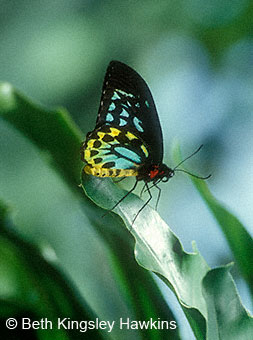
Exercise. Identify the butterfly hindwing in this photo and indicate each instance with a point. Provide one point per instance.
(127, 103)
(113, 152)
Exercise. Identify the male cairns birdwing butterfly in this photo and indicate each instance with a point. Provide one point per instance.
(127, 139)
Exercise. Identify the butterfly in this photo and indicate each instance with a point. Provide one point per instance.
(127, 139)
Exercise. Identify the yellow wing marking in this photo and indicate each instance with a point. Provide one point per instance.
(130, 136)
(114, 132)
(144, 150)
(90, 143)
(101, 135)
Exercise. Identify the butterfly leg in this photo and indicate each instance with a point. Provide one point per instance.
(144, 205)
(119, 180)
(158, 197)
(159, 191)
(142, 190)
(129, 192)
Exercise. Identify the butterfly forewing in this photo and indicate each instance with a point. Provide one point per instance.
(127, 104)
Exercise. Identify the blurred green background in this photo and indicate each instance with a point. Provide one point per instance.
(197, 58)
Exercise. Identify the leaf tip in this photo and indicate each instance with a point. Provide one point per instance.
(194, 247)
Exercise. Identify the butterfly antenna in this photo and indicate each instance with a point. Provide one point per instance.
(194, 153)
(193, 175)
(187, 172)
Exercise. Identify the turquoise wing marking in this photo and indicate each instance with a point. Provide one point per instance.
(122, 163)
(131, 155)
(109, 117)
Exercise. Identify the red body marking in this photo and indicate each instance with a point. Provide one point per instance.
(154, 173)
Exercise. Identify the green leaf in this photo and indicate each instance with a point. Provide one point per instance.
(140, 290)
(52, 131)
(159, 250)
(227, 319)
(30, 285)
(239, 240)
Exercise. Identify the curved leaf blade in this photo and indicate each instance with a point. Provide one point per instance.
(239, 240)
(158, 249)
(227, 319)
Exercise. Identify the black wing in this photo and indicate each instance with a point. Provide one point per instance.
(127, 103)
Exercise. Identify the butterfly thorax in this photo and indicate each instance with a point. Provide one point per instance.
(155, 173)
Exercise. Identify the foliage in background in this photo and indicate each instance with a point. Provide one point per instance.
(198, 62)
(31, 287)
(157, 248)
